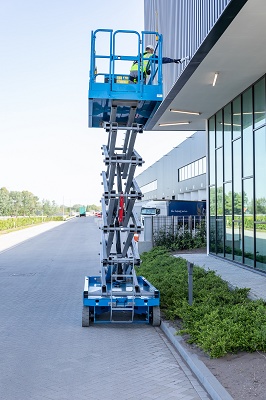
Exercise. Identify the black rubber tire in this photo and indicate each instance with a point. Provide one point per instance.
(156, 316)
(85, 317)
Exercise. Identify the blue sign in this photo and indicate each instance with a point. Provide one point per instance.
(183, 207)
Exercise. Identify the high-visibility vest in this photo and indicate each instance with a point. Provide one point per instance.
(135, 65)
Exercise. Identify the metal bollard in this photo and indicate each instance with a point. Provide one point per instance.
(190, 282)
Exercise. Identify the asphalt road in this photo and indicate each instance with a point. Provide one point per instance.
(46, 354)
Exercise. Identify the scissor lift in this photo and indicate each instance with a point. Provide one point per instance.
(118, 294)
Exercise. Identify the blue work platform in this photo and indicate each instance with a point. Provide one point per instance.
(112, 97)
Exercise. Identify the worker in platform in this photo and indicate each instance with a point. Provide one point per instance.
(149, 52)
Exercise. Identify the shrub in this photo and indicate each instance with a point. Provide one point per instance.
(20, 222)
(182, 240)
(220, 320)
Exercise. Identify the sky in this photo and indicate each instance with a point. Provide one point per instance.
(46, 145)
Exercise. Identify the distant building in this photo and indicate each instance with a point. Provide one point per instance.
(180, 174)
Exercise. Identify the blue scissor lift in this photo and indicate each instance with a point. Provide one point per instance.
(115, 104)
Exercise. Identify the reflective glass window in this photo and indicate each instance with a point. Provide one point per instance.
(237, 200)
(220, 236)
(237, 117)
(260, 168)
(259, 103)
(212, 151)
(227, 143)
(247, 133)
(237, 197)
(219, 129)
(248, 207)
(219, 177)
(219, 201)
(228, 220)
(260, 196)
(237, 230)
(212, 221)
(260, 246)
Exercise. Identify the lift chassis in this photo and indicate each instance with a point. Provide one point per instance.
(118, 294)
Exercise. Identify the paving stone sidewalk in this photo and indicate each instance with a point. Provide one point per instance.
(47, 355)
(234, 274)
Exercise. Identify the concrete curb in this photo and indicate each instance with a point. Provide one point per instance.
(204, 375)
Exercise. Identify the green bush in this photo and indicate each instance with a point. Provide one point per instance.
(220, 320)
(20, 222)
(182, 240)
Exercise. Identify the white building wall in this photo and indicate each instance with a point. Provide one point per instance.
(165, 172)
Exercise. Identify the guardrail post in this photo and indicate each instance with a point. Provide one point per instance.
(190, 282)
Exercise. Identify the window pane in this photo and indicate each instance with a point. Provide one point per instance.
(228, 220)
(219, 177)
(211, 151)
(260, 167)
(212, 226)
(196, 168)
(189, 171)
(237, 226)
(237, 178)
(227, 143)
(219, 129)
(237, 201)
(261, 247)
(248, 222)
(247, 134)
(220, 236)
(182, 174)
(236, 117)
(204, 165)
(200, 166)
(192, 170)
(219, 200)
(259, 103)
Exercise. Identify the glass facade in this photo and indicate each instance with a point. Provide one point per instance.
(237, 193)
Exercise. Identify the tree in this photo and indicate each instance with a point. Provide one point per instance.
(237, 203)
(29, 203)
(49, 208)
(15, 202)
(228, 203)
(93, 207)
(4, 201)
(261, 206)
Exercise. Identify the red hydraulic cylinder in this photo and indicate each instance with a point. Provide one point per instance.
(121, 209)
